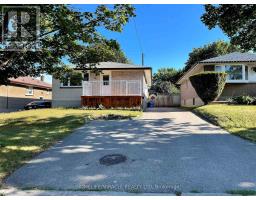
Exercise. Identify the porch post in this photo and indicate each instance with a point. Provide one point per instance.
(126, 88)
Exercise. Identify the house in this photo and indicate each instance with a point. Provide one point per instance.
(241, 79)
(118, 85)
(23, 90)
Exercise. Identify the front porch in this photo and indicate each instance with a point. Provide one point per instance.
(112, 93)
(112, 101)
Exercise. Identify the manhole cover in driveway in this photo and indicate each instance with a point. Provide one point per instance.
(112, 159)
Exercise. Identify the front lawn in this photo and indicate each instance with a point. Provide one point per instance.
(26, 133)
(238, 120)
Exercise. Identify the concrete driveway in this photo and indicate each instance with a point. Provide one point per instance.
(167, 150)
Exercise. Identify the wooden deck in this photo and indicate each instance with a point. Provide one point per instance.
(111, 101)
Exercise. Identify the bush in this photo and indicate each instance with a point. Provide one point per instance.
(243, 100)
(208, 85)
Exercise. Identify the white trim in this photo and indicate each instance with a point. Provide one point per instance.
(223, 66)
(28, 88)
(72, 86)
(87, 88)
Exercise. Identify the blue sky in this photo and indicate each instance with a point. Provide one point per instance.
(167, 33)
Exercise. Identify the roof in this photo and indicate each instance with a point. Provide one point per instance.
(123, 66)
(232, 57)
(115, 65)
(228, 58)
(30, 81)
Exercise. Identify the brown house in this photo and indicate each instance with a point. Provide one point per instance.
(241, 79)
(23, 90)
(118, 85)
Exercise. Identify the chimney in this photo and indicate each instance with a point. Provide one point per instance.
(42, 78)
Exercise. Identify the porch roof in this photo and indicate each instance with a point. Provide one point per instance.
(124, 66)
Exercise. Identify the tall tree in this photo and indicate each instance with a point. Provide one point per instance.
(238, 21)
(67, 33)
(164, 81)
(208, 51)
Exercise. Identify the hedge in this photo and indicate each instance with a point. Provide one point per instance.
(208, 85)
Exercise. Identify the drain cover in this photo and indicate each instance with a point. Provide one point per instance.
(112, 159)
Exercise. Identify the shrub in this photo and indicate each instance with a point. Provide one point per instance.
(243, 100)
(208, 85)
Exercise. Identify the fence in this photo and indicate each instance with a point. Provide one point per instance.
(167, 100)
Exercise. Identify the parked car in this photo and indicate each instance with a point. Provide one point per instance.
(38, 104)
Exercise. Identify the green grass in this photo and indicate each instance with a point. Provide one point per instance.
(238, 120)
(242, 192)
(26, 133)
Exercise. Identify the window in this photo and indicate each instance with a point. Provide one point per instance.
(72, 80)
(105, 79)
(65, 80)
(86, 77)
(246, 73)
(194, 101)
(218, 68)
(30, 91)
(235, 72)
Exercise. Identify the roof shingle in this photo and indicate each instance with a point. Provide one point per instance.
(232, 57)
(115, 65)
(30, 81)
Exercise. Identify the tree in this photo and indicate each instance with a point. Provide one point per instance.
(101, 51)
(70, 34)
(236, 20)
(211, 50)
(164, 81)
(208, 85)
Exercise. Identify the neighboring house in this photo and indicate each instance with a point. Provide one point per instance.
(23, 90)
(241, 79)
(118, 85)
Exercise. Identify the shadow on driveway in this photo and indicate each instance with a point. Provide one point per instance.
(166, 151)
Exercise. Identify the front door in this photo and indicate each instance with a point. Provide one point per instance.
(106, 84)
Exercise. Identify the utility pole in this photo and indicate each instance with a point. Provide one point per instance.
(142, 59)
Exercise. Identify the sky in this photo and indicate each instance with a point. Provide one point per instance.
(166, 34)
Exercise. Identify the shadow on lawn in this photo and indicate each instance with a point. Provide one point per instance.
(21, 139)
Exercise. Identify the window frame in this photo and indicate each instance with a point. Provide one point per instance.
(72, 86)
(31, 88)
(106, 83)
(223, 69)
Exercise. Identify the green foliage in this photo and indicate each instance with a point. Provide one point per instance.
(208, 85)
(167, 74)
(236, 20)
(71, 34)
(164, 81)
(211, 50)
(165, 87)
(243, 100)
(237, 120)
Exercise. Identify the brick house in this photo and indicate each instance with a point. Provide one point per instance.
(23, 90)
